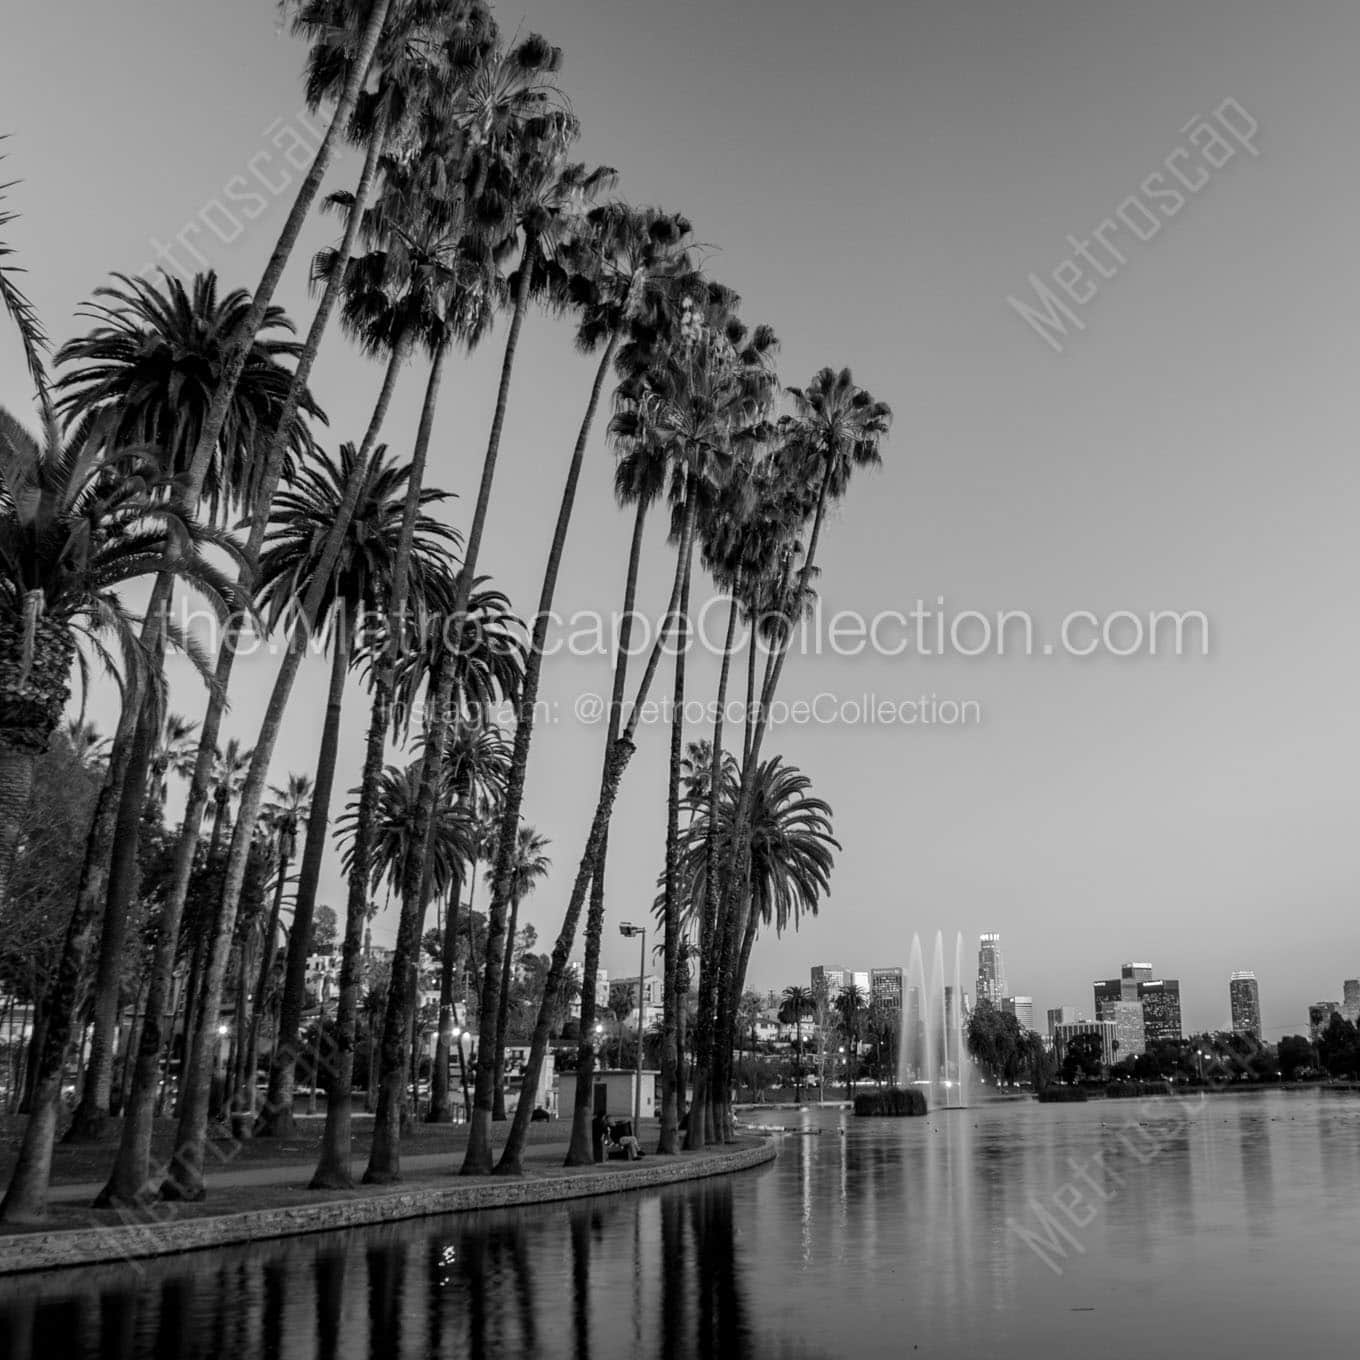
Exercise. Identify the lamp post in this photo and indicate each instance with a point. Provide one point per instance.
(628, 930)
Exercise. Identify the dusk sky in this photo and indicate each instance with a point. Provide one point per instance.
(876, 180)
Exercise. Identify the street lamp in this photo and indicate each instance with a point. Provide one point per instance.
(628, 931)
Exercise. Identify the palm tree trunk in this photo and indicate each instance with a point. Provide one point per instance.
(441, 1105)
(511, 1158)
(582, 1151)
(26, 1198)
(436, 740)
(503, 1013)
(703, 1039)
(185, 1174)
(283, 249)
(132, 1170)
(669, 1142)
(268, 947)
(333, 1167)
(276, 1119)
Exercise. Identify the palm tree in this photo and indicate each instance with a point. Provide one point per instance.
(350, 30)
(795, 1004)
(850, 1006)
(77, 522)
(22, 313)
(150, 367)
(615, 268)
(359, 585)
(174, 753)
(90, 747)
(282, 819)
(528, 865)
(489, 662)
(787, 856)
(689, 401)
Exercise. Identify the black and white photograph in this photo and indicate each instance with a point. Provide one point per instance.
(678, 679)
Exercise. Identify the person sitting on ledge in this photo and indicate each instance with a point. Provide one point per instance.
(623, 1145)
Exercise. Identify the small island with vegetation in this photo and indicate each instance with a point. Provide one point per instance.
(893, 1102)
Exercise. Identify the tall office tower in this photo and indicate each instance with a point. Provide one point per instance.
(885, 989)
(991, 978)
(1107, 995)
(1320, 1016)
(1161, 1002)
(1244, 1000)
(1022, 1007)
(1063, 1015)
(861, 980)
(1350, 1000)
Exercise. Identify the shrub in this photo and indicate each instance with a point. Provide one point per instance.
(1061, 1095)
(892, 1103)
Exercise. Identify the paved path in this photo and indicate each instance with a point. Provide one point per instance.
(299, 1173)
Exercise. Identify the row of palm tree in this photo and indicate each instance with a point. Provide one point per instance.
(182, 414)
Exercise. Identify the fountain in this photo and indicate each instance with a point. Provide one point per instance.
(931, 1051)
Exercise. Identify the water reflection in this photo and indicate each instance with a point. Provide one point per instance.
(872, 1236)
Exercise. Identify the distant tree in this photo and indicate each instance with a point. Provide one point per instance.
(323, 931)
(1339, 1048)
(1295, 1055)
(997, 1043)
(1084, 1058)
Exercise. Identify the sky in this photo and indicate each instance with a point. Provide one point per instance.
(891, 188)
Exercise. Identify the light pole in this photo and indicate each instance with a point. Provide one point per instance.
(628, 930)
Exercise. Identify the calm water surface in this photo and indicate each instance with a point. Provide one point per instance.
(1229, 1227)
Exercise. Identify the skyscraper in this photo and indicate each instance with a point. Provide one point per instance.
(831, 976)
(1022, 1007)
(991, 978)
(1244, 1000)
(1161, 1002)
(885, 989)
(1063, 1015)
(1350, 1000)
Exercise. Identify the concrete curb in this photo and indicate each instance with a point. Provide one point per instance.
(87, 1246)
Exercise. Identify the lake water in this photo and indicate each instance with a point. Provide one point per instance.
(1223, 1227)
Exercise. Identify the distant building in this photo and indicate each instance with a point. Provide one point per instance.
(1063, 1015)
(885, 990)
(991, 977)
(1350, 1000)
(837, 979)
(626, 989)
(1022, 1007)
(1320, 1016)
(1161, 1002)
(1064, 1034)
(1244, 1000)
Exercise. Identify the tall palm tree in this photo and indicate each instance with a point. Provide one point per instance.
(150, 367)
(359, 585)
(77, 522)
(690, 400)
(352, 29)
(851, 1006)
(795, 1003)
(284, 816)
(529, 864)
(614, 269)
(490, 661)
(174, 753)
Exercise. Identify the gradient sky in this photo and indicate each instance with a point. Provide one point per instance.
(876, 182)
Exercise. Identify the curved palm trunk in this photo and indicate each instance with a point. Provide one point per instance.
(503, 1013)
(26, 1198)
(511, 1158)
(283, 249)
(268, 948)
(184, 1178)
(333, 1167)
(669, 1142)
(582, 1151)
(132, 1170)
(695, 1131)
(276, 1119)
(436, 739)
(441, 1105)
